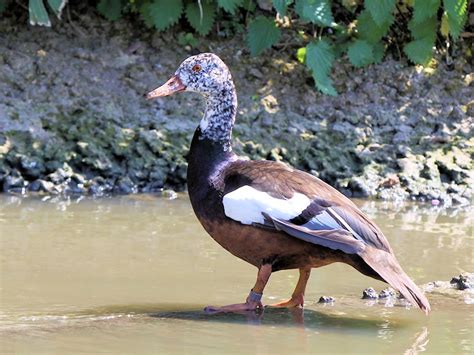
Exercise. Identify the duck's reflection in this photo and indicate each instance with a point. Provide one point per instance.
(420, 343)
(269, 316)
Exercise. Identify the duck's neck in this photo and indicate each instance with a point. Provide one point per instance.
(219, 118)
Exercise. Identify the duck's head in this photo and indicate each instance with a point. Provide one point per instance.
(204, 73)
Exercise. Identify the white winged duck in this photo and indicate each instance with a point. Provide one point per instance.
(267, 213)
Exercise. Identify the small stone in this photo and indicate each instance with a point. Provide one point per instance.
(369, 294)
(13, 182)
(169, 194)
(125, 186)
(59, 176)
(387, 293)
(461, 282)
(326, 299)
(42, 186)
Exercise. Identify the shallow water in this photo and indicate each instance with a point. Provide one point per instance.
(132, 275)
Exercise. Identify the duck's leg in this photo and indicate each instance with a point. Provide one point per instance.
(253, 300)
(297, 298)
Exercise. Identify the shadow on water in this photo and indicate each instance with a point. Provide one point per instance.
(119, 316)
(297, 317)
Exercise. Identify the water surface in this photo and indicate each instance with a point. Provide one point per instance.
(132, 274)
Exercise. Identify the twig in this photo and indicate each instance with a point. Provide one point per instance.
(82, 34)
(21, 5)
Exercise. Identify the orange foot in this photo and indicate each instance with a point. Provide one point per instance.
(235, 308)
(294, 301)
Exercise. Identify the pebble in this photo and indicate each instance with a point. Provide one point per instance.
(461, 282)
(326, 299)
(369, 294)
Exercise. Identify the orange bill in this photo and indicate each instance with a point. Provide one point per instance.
(170, 87)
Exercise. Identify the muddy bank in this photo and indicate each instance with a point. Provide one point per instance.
(73, 118)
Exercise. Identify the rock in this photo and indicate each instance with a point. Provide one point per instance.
(42, 186)
(462, 282)
(369, 294)
(390, 180)
(14, 183)
(59, 176)
(403, 135)
(326, 299)
(169, 194)
(74, 188)
(410, 166)
(125, 186)
(98, 186)
(31, 167)
(387, 293)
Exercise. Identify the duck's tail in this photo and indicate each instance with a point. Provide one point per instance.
(387, 266)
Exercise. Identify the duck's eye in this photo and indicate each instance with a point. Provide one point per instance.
(196, 68)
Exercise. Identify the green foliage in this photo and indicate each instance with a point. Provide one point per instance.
(202, 24)
(420, 50)
(369, 30)
(3, 5)
(424, 9)
(229, 5)
(321, 34)
(162, 13)
(315, 11)
(361, 53)
(381, 10)
(187, 39)
(281, 6)
(319, 59)
(262, 34)
(38, 13)
(110, 9)
(456, 12)
(301, 54)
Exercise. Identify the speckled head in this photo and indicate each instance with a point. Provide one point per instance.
(204, 73)
(208, 75)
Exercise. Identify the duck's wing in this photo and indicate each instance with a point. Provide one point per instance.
(301, 205)
(272, 194)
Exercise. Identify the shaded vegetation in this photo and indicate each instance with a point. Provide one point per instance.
(323, 30)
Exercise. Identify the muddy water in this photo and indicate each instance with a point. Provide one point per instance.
(132, 275)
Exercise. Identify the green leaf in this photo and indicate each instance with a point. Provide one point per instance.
(319, 59)
(423, 9)
(424, 29)
(361, 53)
(110, 9)
(301, 54)
(38, 13)
(161, 13)
(369, 30)
(262, 34)
(145, 13)
(57, 6)
(281, 6)
(380, 10)
(202, 25)
(444, 28)
(229, 5)
(315, 11)
(419, 51)
(456, 11)
(379, 51)
(3, 5)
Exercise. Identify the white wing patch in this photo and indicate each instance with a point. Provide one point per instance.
(246, 205)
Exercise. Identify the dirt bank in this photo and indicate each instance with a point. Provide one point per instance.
(73, 118)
